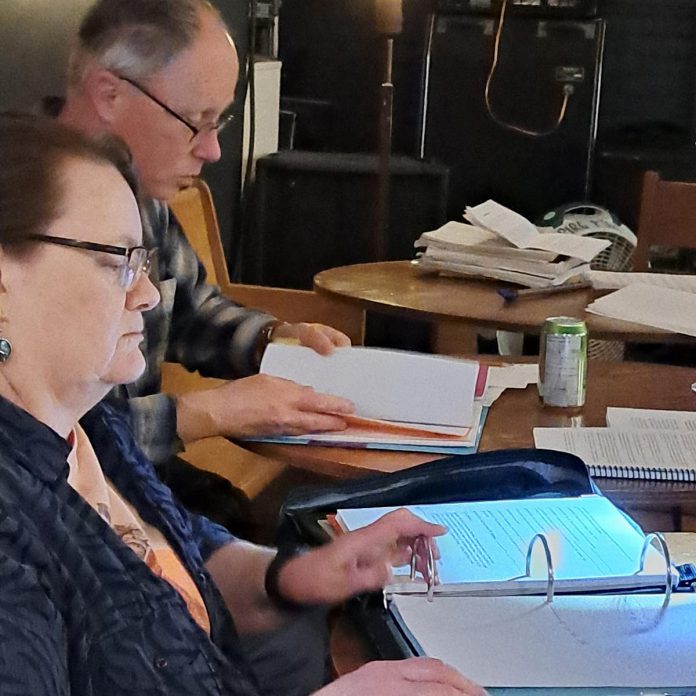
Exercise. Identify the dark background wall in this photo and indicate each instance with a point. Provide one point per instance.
(329, 49)
(649, 66)
(331, 59)
(35, 36)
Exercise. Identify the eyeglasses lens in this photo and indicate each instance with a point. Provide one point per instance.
(138, 262)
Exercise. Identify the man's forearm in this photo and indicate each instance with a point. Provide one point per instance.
(195, 417)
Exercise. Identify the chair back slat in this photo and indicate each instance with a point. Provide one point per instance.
(667, 217)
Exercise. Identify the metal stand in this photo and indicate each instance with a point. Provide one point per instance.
(381, 234)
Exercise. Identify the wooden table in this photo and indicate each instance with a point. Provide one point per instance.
(517, 411)
(397, 287)
(509, 424)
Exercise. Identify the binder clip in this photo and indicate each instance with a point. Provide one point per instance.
(551, 580)
(425, 544)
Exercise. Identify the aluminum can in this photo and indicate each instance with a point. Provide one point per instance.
(563, 362)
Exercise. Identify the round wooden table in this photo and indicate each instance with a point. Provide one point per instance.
(398, 287)
(511, 420)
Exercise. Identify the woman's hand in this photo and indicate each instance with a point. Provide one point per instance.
(418, 676)
(356, 562)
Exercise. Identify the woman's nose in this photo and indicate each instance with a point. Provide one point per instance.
(144, 295)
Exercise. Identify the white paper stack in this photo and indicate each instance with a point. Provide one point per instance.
(502, 245)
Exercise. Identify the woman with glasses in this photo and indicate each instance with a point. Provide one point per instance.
(107, 586)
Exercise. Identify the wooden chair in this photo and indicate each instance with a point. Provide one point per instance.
(667, 217)
(194, 209)
(251, 473)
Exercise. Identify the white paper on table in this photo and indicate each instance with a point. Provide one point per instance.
(650, 419)
(613, 280)
(574, 641)
(505, 222)
(457, 235)
(517, 230)
(514, 376)
(662, 308)
(491, 395)
(577, 246)
(528, 279)
(641, 449)
(386, 384)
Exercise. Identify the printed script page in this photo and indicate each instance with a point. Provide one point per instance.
(650, 419)
(618, 447)
(488, 541)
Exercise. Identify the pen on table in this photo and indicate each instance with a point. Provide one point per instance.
(511, 294)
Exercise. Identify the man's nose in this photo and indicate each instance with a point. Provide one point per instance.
(207, 146)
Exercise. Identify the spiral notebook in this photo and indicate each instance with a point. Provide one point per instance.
(639, 444)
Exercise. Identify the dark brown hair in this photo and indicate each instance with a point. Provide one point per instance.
(33, 150)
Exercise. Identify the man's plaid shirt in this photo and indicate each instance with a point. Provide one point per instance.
(193, 325)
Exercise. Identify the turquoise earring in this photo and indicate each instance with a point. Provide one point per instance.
(5, 350)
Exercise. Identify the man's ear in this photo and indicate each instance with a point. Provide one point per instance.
(105, 91)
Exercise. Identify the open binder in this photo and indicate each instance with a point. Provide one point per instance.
(597, 643)
(533, 546)
(515, 630)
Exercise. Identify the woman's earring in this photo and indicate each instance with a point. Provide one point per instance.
(5, 350)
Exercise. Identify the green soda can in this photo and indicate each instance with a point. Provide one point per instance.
(563, 362)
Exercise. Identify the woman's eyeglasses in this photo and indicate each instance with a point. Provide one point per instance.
(136, 260)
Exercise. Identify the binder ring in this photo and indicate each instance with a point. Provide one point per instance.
(649, 538)
(551, 580)
(430, 570)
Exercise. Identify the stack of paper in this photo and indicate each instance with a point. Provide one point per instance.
(639, 444)
(502, 245)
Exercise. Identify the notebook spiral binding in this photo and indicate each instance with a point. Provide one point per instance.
(645, 473)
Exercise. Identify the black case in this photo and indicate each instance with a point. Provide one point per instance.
(500, 475)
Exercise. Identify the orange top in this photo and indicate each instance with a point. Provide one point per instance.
(87, 478)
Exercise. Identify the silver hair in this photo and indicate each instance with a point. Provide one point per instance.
(135, 38)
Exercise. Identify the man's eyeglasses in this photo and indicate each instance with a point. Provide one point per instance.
(136, 259)
(222, 122)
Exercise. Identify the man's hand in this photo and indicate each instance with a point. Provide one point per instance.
(258, 405)
(356, 562)
(414, 677)
(322, 339)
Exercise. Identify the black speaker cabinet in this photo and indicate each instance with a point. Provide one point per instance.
(315, 211)
(537, 58)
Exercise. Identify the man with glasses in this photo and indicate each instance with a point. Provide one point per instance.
(161, 74)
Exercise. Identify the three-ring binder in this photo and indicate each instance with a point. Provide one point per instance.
(430, 575)
(422, 546)
(551, 580)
